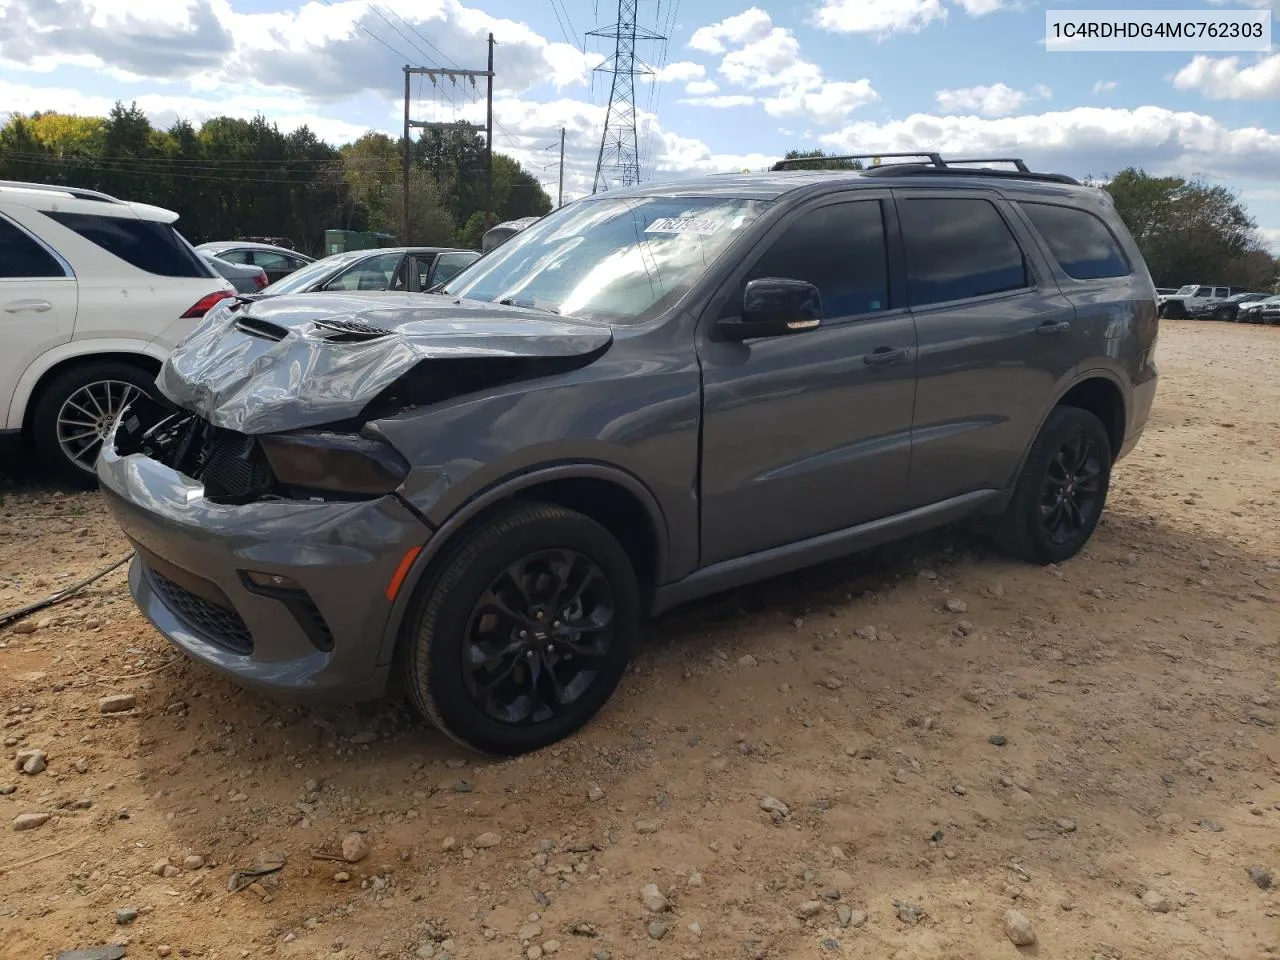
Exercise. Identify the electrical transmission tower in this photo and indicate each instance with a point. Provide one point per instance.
(618, 142)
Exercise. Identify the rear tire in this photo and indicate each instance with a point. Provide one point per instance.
(75, 410)
(1222, 315)
(1061, 492)
(504, 650)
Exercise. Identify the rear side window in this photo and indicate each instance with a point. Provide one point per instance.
(957, 248)
(1080, 242)
(22, 257)
(154, 247)
(840, 249)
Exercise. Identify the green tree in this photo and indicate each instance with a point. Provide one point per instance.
(818, 160)
(1188, 230)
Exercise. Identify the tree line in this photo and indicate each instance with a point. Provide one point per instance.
(1189, 230)
(230, 178)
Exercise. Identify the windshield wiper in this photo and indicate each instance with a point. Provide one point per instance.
(528, 305)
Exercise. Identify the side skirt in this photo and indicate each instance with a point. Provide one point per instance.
(829, 546)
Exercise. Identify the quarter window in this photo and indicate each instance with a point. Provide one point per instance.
(146, 244)
(1079, 241)
(22, 257)
(840, 249)
(958, 248)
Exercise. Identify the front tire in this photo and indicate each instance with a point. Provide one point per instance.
(76, 410)
(1061, 491)
(1222, 315)
(524, 630)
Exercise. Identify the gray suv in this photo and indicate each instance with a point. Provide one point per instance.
(645, 397)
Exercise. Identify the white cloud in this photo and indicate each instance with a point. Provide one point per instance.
(997, 100)
(700, 88)
(881, 18)
(1270, 237)
(323, 50)
(1083, 140)
(1104, 86)
(758, 56)
(1225, 79)
(828, 103)
(737, 30)
(728, 100)
(681, 71)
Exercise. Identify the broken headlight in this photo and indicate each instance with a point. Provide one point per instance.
(342, 463)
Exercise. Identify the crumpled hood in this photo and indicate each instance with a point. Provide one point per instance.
(288, 362)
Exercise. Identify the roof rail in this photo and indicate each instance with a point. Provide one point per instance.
(76, 192)
(936, 165)
(792, 162)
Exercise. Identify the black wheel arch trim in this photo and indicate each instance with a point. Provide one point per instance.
(1094, 373)
(503, 490)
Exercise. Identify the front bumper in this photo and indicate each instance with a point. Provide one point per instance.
(326, 640)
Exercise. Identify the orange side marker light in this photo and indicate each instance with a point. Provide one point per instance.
(402, 571)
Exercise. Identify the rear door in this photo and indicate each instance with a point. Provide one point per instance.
(37, 305)
(996, 340)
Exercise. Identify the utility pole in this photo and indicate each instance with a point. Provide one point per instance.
(452, 73)
(560, 195)
(488, 145)
(408, 158)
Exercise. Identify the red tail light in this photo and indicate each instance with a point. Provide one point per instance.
(205, 304)
(260, 280)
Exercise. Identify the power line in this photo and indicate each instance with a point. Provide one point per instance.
(360, 23)
(440, 53)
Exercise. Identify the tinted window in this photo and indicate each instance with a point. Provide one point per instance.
(1080, 242)
(270, 260)
(235, 256)
(449, 264)
(20, 256)
(841, 250)
(376, 273)
(958, 248)
(146, 244)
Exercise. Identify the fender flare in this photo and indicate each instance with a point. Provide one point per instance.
(71, 350)
(502, 490)
(1093, 373)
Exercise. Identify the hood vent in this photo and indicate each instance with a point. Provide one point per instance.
(261, 329)
(349, 330)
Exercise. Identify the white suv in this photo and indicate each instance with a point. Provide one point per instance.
(94, 292)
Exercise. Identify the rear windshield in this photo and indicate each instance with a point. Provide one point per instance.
(146, 244)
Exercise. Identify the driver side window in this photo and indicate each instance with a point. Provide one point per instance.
(375, 273)
(840, 249)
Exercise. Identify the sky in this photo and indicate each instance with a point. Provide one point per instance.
(733, 87)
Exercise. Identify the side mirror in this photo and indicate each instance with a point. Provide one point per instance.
(774, 307)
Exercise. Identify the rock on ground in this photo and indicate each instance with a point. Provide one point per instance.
(1018, 929)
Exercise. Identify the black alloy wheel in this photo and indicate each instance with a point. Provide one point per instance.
(1061, 491)
(521, 629)
(1071, 495)
(537, 636)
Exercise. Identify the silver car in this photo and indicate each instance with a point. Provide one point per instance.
(411, 269)
(244, 278)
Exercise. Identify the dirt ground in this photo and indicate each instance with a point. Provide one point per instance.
(1136, 690)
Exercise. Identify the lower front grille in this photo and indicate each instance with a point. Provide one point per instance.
(217, 624)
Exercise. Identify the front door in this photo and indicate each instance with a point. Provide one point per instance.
(809, 432)
(997, 340)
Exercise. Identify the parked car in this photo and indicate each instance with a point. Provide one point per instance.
(1225, 310)
(244, 278)
(502, 232)
(1195, 299)
(1270, 311)
(276, 261)
(648, 396)
(1252, 312)
(414, 269)
(94, 291)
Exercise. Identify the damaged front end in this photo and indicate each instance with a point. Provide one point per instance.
(270, 399)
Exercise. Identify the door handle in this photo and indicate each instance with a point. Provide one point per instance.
(883, 356)
(1053, 326)
(20, 306)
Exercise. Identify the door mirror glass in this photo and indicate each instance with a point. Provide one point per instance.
(774, 307)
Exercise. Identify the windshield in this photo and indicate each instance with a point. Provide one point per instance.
(622, 261)
(304, 277)
(1188, 290)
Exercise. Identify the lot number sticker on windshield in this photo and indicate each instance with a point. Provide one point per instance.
(703, 226)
